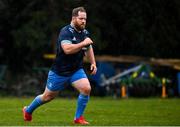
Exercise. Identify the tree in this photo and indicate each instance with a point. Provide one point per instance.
(29, 28)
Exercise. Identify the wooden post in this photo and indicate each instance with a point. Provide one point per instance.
(123, 91)
(164, 95)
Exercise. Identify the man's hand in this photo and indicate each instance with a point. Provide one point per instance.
(93, 69)
(87, 41)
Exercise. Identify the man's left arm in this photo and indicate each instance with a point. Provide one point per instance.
(91, 58)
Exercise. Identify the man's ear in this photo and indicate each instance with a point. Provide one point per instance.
(73, 18)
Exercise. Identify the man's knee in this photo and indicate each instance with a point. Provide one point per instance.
(86, 90)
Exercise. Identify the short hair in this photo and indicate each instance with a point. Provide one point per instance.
(76, 10)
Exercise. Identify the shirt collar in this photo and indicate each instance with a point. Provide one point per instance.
(72, 25)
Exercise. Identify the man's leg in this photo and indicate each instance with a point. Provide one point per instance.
(54, 84)
(38, 101)
(83, 86)
(41, 99)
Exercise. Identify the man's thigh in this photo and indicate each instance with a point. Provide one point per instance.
(80, 81)
(56, 82)
(81, 85)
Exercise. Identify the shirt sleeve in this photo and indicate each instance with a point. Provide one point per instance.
(65, 37)
(87, 34)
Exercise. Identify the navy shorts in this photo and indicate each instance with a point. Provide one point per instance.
(56, 82)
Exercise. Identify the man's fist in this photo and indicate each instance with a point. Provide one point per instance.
(93, 69)
(87, 41)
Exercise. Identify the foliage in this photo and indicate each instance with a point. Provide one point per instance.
(29, 28)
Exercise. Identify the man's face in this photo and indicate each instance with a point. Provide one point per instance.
(80, 21)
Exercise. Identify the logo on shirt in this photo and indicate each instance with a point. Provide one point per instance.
(74, 39)
(72, 30)
(50, 84)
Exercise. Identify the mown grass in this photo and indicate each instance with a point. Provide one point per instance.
(99, 112)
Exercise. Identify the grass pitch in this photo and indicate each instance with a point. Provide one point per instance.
(99, 112)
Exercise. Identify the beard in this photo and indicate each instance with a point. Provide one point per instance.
(79, 27)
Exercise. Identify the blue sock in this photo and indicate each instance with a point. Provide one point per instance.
(35, 104)
(81, 104)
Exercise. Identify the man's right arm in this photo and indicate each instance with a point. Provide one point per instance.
(69, 48)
